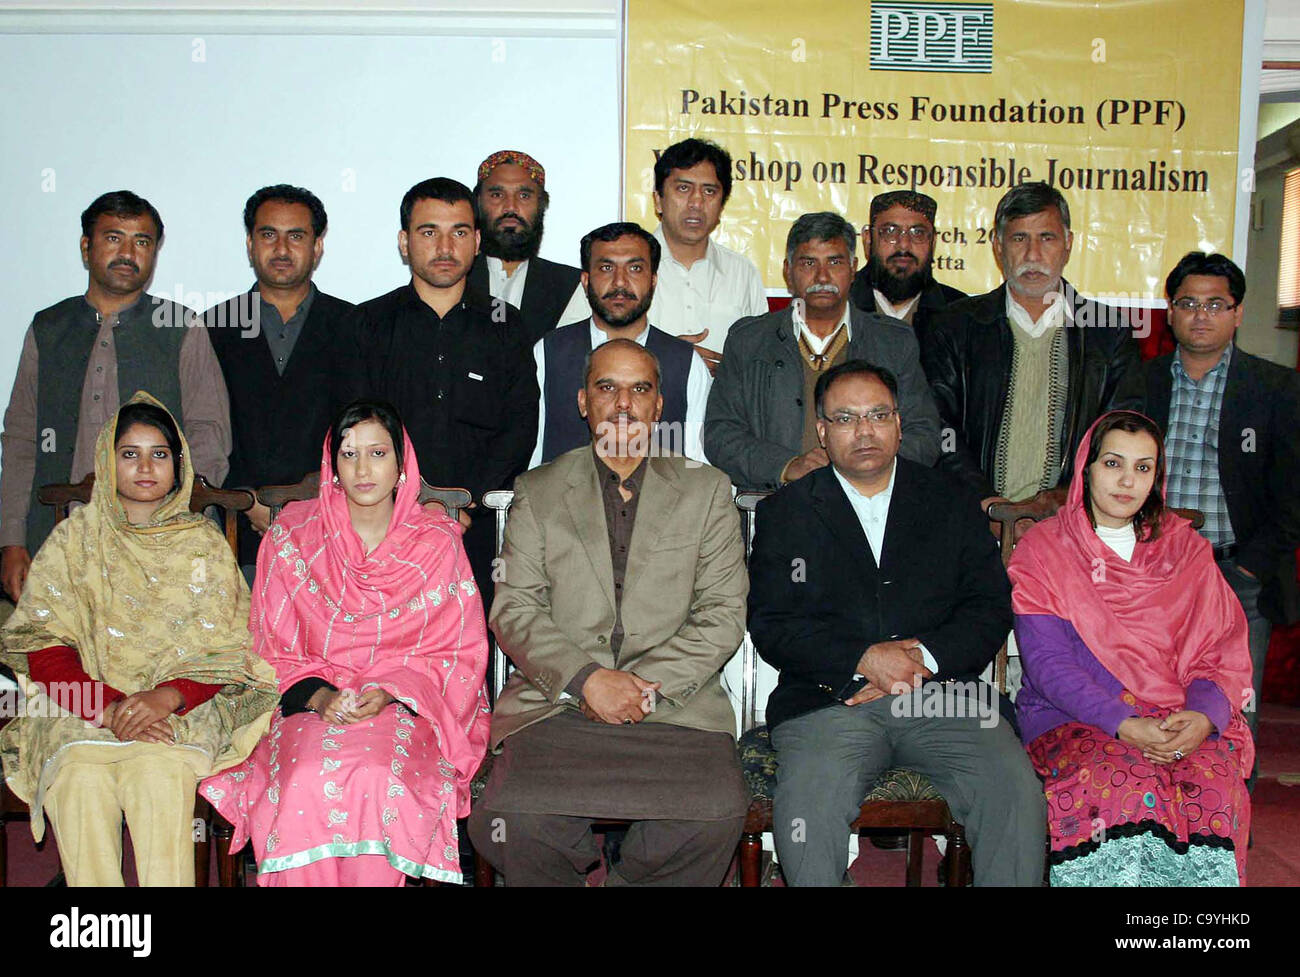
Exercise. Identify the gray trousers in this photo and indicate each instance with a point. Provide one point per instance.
(827, 759)
(557, 849)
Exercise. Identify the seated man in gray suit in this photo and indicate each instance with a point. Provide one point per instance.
(621, 596)
(759, 427)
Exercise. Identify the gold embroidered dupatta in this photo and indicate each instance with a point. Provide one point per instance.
(142, 605)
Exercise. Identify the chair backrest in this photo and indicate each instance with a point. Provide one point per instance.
(1042, 506)
(229, 501)
(276, 497)
(498, 501)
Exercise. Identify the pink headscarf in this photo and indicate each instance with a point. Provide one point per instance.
(407, 617)
(1156, 623)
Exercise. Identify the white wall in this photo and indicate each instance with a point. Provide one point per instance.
(355, 118)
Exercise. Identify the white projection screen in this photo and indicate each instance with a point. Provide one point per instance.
(195, 122)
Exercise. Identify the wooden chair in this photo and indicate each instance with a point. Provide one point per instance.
(276, 497)
(231, 502)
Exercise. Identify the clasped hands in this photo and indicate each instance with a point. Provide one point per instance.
(890, 667)
(1159, 740)
(616, 697)
(143, 716)
(343, 707)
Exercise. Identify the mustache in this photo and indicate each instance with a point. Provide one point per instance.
(826, 287)
(124, 263)
(1020, 269)
(901, 254)
(619, 293)
(511, 214)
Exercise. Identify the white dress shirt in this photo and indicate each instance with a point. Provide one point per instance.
(510, 288)
(817, 344)
(873, 513)
(1054, 315)
(897, 311)
(698, 382)
(711, 294)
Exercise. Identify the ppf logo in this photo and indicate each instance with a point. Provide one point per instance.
(949, 37)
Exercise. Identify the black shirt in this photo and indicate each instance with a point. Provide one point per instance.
(465, 385)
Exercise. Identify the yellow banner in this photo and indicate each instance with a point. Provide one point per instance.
(1129, 108)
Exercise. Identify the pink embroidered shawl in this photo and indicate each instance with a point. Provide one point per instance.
(406, 618)
(1156, 623)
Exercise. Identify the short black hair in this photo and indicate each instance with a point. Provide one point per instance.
(1204, 263)
(442, 188)
(852, 368)
(687, 153)
(284, 193)
(824, 225)
(1026, 200)
(612, 232)
(150, 415)
(913, 200)
(367, 410)
(119, 203)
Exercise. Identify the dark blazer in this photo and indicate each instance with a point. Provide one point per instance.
(817, 599)
(278, 423)
(754, 422)
(1259, 466)
(935, 297)
(547, 290)
(967, 360)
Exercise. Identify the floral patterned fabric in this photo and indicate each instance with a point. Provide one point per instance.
(1117, 819)
(406, 618)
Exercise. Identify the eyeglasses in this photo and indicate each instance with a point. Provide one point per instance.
(1212, 307)
(846, 418)
(916, 234)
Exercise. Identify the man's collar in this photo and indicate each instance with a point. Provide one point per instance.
(498, 267)
(604, 471)
(884, 495)
(599, 337)
(799, 325)
(1225, 361)
(711, 253)
(469, 298)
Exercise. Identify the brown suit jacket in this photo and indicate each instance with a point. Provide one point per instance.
(683, 596)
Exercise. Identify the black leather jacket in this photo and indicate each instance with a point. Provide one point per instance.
(967, 361)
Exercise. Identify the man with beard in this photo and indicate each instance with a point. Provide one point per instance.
(460, 376)
(898, 280)
(276, 344)
(512, 200)
(87, 355)
(760, 426)
(1021, 372)
(619, 264)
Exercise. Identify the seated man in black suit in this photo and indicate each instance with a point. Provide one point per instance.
(877, 592)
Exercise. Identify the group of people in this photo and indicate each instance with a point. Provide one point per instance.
(338, 717)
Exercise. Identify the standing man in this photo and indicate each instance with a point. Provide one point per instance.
(276, 344)
(512, 200)
(1231, 445)
(899, 604)
(1020, 373)
(703, 287)
(623, 593)
(898, 280)
(619, 263)
(461, 377)
(87, 355)
(760, 427)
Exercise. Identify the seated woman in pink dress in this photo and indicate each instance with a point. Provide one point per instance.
(366, 606)
(1136, 669)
